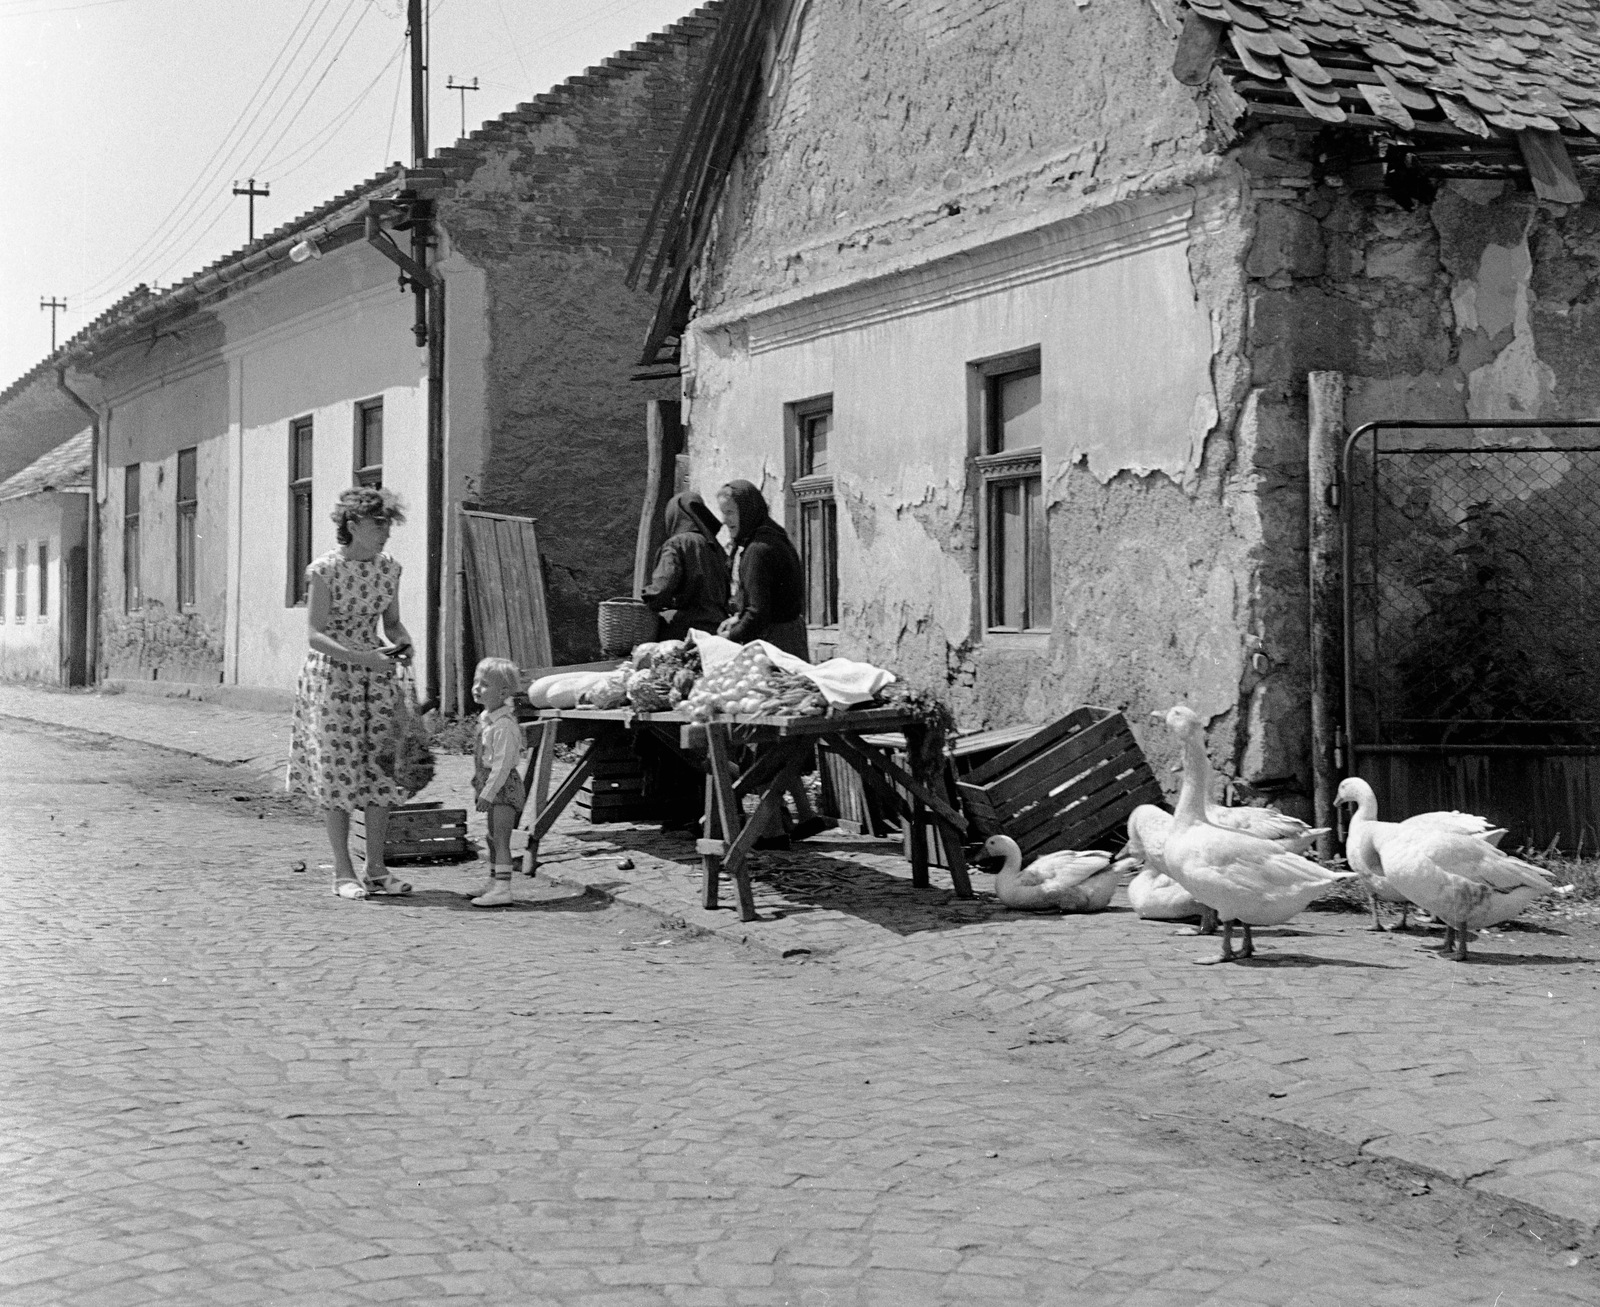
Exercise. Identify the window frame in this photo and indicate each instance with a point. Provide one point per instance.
(811, 498)
(41, 561)
(366, 473)
(993, 470)
(132, 586)
(187, 527)
(298, 589)
(19, 596)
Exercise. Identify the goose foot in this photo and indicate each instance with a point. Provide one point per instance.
(1227, 954)
(1377, 921)
(1249, 949)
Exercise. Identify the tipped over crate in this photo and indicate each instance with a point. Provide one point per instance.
(417, 832)
(1069, 785)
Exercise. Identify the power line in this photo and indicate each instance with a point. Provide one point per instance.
(291, 163)
(326, 70)
(158, 233)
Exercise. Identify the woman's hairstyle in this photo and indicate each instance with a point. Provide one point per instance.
(503, 672)
(365, 501)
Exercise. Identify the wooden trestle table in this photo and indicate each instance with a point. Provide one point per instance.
(774, 751)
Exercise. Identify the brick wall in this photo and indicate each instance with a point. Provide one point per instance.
(550, 201)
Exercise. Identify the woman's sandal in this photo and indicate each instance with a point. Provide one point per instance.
(390, 885)
(349, 889)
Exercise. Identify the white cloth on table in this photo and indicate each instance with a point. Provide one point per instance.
(842, 681)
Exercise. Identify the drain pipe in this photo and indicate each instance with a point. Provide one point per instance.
(91, 606)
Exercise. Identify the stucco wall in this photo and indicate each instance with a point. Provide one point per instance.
(891, 128)
(1136, 311)
(548, 204)
(884, 153)
(315, 342)
(152, 413)
(35, 648)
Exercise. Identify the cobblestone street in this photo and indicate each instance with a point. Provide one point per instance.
(223, 1084)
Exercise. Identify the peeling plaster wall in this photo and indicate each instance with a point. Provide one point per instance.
(891, 126)
(901, 148)
(1483, 304)
(1132, 309)
(546, 210)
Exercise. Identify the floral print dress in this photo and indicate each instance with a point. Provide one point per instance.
(344, 714)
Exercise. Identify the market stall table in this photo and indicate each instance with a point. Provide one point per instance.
(775, 751)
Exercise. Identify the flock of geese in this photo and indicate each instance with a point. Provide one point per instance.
(1247, 865)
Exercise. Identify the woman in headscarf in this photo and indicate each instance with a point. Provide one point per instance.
(689, 587)
(769, 603)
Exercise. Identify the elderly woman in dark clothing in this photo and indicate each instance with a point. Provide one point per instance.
(690, 585)
(769, 603)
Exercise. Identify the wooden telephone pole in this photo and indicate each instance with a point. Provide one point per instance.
(249, 188)
(53, 304)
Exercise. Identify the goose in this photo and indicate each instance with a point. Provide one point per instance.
(1153, 894)
(1367, 833)
(1057, 882)
(1288, 833)
(1458, 875)
(1248, 880)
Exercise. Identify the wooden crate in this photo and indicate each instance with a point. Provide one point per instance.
(1069, 785)
(856, 807)
(614, 790)
(417, 832)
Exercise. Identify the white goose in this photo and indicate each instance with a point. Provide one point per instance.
(1459, 877)
(1288, 833)
(1153, 894)
(1366, 833)
(1057, 882)
(1247, 879)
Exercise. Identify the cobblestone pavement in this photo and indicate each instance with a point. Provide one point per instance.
(224, 1085)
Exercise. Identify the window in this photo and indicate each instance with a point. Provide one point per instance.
(19, 593)
(1015, 548)
(186, 527)
(810, 426)
(5, 582)
(44, 578)
(369, 443)
(299, 508)
(132, 595)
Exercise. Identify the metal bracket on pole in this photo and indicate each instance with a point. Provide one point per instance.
(381, 241)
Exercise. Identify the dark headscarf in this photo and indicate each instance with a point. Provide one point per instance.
(753, 511)
(688, 512)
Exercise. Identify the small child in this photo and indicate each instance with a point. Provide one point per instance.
(495, 779)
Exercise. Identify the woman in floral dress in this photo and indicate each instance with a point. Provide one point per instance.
(347, 698)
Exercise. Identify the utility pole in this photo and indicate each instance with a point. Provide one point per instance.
(450, 84)
(52, 304)
(249, 188)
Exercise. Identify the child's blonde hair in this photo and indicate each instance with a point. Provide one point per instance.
(502, 672)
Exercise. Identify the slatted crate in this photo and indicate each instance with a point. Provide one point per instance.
(1067, 786)
(856, 807)
(614, 789)
(417, 832)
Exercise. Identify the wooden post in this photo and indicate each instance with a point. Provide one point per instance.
(1325, 407)
(664, 441)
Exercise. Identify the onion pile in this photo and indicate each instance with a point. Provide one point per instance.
(750, 685)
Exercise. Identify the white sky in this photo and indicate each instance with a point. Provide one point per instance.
(126, 123)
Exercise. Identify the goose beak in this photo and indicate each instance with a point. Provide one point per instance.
(1158, 718)
(1124, 865)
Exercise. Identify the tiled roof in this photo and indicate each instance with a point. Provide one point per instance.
(65, 467)
(1482, 67)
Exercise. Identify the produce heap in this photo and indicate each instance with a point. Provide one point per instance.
(751, 684)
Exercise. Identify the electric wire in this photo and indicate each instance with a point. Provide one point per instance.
(291, 163)
(94, 290)
(315, 86)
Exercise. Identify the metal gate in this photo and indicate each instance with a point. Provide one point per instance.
(1471, 573)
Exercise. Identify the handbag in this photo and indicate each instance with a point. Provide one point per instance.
(407, 754)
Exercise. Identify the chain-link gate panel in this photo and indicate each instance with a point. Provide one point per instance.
(1472, 618)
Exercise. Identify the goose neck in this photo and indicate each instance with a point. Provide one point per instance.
(1191, 808)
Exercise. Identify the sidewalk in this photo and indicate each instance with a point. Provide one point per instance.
(1484, 1074)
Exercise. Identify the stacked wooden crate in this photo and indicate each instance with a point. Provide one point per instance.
(614, 790)
(1070, 785)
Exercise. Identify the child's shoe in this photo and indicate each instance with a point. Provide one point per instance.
(498, 895)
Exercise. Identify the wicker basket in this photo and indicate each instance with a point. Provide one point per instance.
(623, 624)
